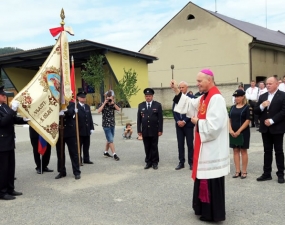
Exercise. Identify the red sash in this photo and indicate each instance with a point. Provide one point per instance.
(202, 111)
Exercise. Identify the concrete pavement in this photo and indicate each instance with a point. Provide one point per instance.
(123, 193)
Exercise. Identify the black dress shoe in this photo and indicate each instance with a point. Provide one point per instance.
(280, 180)
(180, 166)
(7, 197)
(38, 171)
(89, 162)
(15, 193)
(155, 167)
(77, 177)
(202, 218)
(47, 170)
(191, 167)
(264, 178)
(60, 176)
(147, 166)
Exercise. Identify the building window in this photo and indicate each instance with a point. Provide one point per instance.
(275, 57)
(190, 17)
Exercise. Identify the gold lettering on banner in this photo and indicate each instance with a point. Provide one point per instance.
(65, 50)
(39, 108)
(47, 113)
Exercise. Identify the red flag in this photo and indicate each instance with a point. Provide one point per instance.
(55, 31)
(72, 82)
(42, 145)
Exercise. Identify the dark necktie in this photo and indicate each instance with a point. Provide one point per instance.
(3, 106)
(148, 106)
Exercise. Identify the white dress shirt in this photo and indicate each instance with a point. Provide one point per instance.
(281, 87)
(261, 91)
(251, 93)
(270, 97)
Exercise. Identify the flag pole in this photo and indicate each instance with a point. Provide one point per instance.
(61, 117)
(41, 164)
(76, 112)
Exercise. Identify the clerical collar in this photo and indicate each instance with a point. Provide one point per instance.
(206, 94)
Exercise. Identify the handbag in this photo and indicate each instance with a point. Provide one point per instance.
(237, 141)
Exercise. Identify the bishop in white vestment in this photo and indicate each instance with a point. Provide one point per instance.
(211, 162)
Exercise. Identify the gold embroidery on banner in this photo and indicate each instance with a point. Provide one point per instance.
(52, 129)
(25, 100)
(44, 74)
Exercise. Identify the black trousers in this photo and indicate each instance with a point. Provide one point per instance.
(271, 141)
(7, 172)
(182, 133)
(84, 146)
(72, 148)
(254, 117)
(37, 156)
(151, 149)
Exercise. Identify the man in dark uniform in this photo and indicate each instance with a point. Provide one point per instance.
(69, 138)
(85, 126)
(8, 117)
(34, 138)
(150, 126)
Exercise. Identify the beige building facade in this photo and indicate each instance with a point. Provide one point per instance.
(196, 38)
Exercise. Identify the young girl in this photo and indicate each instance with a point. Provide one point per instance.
(128, 131)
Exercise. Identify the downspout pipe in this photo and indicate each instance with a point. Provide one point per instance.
(251, 46)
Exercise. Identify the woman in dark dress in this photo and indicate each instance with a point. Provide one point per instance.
(240, 133)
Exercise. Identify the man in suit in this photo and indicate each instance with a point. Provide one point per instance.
(69, 138)
(150, 126)
(34, 138)
(8, 117)
(271, 111)
(184, 129)
(85, 126)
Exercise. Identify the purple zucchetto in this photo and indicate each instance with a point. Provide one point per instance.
(207, 72)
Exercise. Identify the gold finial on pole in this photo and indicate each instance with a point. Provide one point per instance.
(62, 16)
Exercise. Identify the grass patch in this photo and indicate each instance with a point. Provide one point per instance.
(167, 113)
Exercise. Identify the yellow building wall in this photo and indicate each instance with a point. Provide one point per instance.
(20, 77)
(118, 62)
(191, 45)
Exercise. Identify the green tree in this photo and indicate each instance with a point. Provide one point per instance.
(93, 72)
(7, 50)
(126, 88)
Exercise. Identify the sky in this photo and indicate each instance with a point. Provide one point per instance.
(127, 24)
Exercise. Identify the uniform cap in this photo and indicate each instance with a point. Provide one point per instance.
(82, 94)
(2, 92)
(148, 91)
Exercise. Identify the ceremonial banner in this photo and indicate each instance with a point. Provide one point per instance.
(40, 99)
